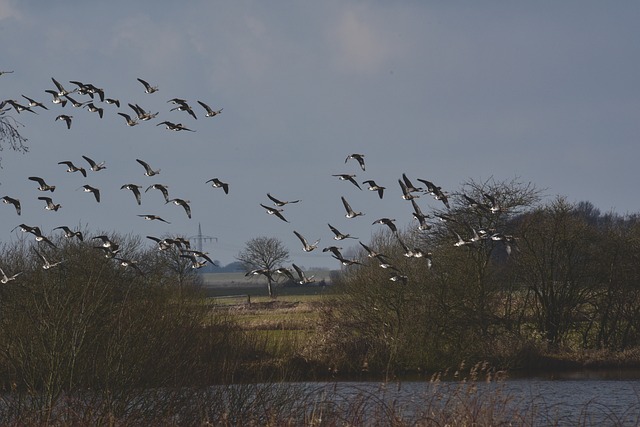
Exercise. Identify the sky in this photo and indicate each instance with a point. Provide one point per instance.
(543, 92)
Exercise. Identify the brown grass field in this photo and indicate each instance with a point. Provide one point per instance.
(283, 324)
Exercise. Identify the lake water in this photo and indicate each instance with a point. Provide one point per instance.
(578, 399)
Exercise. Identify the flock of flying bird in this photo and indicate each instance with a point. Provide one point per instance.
(94, 104)
(410, 193)
(94, 100)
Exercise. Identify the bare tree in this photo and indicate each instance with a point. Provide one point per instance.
(557, 263)
(262, 255)
(9, 134)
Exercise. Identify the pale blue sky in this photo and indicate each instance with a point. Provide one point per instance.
(444, 91)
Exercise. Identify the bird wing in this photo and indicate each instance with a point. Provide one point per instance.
(37, 179)
(144, 164)
(274, 200)
(302, 239)
(90, 161)
(346, 205)
(146, 85)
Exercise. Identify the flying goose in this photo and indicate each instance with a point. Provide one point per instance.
(305, 245)
(56, 99)
(46, 264)
(34, 103)
(507, 239)
(19, 107)
(285, 272)
(27, 229)
(370, 252)
(73, 168)
(216, 183)
(388, 222)
(129, 263)
(383, 262)
(495, 207)
(280, 203)
(374, 187)
(36, 232)
(69, 233)
(162, 188)
(14, 202)
(348, 177)
(334, 250)
(142, 114)
(195, 262)
(174, 126)
(94, 166)
(153, 217)
(409, 185)
(407, 251)
(428, 256)
(197, 254)
(346, 262)
(182, 241)
(183, 203)
(303, 279)
(461, 241)
(435, 191)
(92, 108)
(61, 90)
(113, 101)
(88, 89)
(130, 121)
(83, 89)
(147, 168)
(183, 106)
(422, 218)
(66, 118)
(350, 212)
(135, 189)
(109, 252)
(339, 235)
(177, 101)
(147, 87)
(163, 244)
(475, 204)
(43, 185)
(89, 189)
(106, 242)
(39, 237)
(6, 279)
(210, 111)
(92, 90)
(358, 157)
(50, 205)
(75, 103)
(274, 211)
(399, 278)
(406, 194)
(264, 271)
(5, 72)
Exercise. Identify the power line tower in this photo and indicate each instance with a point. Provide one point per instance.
(200, 238)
